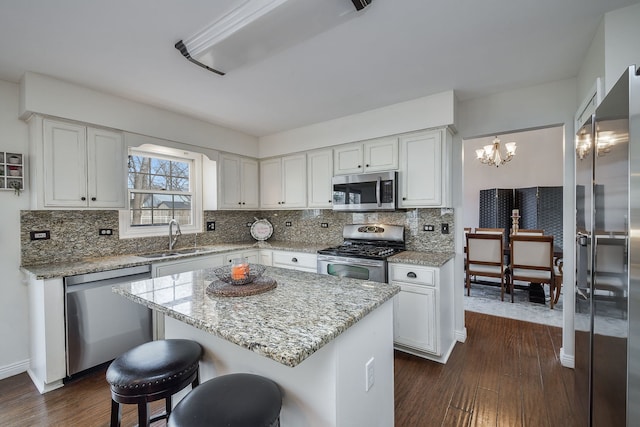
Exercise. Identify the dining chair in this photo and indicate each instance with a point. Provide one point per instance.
(489, 231)
(485, 258)
(532, 261)
(530, 232)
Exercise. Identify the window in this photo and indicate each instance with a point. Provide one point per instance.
(162, 185)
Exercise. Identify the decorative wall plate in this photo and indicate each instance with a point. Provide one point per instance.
(261, 229)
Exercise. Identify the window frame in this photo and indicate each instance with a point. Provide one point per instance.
(195, 181)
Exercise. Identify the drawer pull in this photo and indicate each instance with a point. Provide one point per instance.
(411, 275)
(294, 259)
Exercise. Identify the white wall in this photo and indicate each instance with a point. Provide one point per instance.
(593, 65)
(422, 113)
(622, 32)
(538, 162)
(531, 108)
(43, 94)
(14, 310)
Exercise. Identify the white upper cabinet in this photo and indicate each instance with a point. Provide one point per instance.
(283, 183)
(82, 166)
(238, 182)
(370, 156)
(424, 169)
(319, 174)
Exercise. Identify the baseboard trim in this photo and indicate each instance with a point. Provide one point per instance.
(461, 335)
(42, 386)
(566, 360)
(14, 369)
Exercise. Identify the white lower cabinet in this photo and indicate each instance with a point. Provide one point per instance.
(295, 261)
(423, 310)
(252, 256)
(184, 265)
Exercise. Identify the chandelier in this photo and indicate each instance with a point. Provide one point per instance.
(490, 154)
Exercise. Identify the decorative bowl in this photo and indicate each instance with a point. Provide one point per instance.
(239, 275)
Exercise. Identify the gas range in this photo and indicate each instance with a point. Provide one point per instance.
(361, 250)
(363, 253)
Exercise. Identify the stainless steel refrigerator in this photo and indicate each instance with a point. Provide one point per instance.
(607, 309)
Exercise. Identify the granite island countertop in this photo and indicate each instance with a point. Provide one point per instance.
(287, 324)
(93, 265)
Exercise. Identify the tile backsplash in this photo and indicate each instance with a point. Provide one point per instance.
(74, 234)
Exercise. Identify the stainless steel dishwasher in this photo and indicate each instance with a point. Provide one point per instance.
(100, 324)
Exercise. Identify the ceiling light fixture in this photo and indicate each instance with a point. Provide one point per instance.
(490, 154)
(257, 29)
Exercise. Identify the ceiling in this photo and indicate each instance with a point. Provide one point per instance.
(393, 51)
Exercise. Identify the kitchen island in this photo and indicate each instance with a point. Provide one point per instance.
(327, 341)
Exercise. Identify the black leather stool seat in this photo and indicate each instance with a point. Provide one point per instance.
(234, 400)
(152, 371)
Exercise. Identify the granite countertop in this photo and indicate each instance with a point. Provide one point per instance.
(287, 324)
(430, 259)
(92, 265)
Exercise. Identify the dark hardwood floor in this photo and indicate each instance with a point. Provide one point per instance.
(508, 373)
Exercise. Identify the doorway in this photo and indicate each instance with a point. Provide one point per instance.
(538, 162)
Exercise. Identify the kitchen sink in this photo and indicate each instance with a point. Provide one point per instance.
(178, 252)
(160, 255)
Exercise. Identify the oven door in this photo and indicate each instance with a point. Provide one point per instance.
(354, 268)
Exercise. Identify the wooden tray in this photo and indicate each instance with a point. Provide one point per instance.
(221, 289)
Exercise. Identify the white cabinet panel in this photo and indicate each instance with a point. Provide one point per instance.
(83, 166)
(348, 159)
(369, 156)
(186, 265)
(381, 155)
(283, 182)
(106, 164)
(237, 182)
(319, 173)
(65, 164)
(424, 169)
(294, 181)
(296, 261)
(252, 256)
(271, 183)
(415, 322)
(423, 310)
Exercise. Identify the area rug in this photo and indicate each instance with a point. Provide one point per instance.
(486, 299)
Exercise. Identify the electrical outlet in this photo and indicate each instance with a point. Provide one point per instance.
(211, 226)
(445, 228)
(40, 235)
(287, 224)
(324, 225)
(105, 232)
(370, 374)
(429, 228)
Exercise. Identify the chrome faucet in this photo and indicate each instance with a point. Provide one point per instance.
(173, 239)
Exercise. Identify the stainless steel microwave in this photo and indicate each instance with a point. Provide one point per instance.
(365, 192)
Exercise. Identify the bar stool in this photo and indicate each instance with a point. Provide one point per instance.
(152, 371)
(234, 400)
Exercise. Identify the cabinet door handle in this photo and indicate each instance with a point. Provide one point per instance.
(93, 199)
(294, 259)
(83, 198)
(359, 166)
(411, 275)
(243, 203)
(366, 166)
(404, 198)
(239, 203)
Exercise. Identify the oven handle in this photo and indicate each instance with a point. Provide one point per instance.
(350, 261)
(378, 185)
